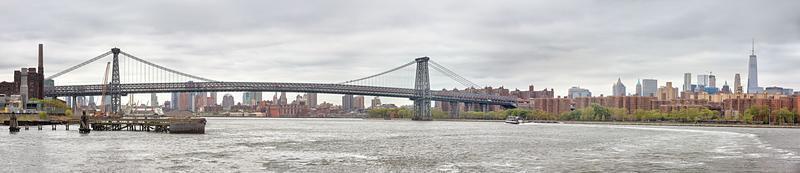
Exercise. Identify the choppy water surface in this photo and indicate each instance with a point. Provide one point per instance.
(351, 145)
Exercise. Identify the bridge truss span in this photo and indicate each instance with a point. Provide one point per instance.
(448, 96)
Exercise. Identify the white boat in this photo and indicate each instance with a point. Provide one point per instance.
(513, 120)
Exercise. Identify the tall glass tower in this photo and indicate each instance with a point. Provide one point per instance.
(752, 72)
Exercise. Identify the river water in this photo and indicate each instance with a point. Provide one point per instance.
(354, 145)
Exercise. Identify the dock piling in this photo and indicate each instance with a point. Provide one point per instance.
(84, 124)
(13, 124)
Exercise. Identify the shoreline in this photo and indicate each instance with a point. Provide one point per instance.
(549, 122)
(679, 124)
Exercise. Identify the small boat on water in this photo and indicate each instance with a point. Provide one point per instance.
(513, 120)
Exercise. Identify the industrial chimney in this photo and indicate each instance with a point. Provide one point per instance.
(41, 71)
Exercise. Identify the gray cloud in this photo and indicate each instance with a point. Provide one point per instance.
(499, 43)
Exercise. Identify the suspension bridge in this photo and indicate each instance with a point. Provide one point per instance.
(148, 77)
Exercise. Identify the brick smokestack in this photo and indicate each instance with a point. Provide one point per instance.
(41, 72)
(41, 59)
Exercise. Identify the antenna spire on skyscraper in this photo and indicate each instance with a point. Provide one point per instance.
(753, 48)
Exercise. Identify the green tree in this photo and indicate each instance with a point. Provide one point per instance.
(757, 113)
(785, 116)
(600, 113)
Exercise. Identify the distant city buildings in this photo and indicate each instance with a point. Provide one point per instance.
(702, 80)
(251, 98)
(779, 90)
(725, 89)
(358, 102)
(712, 81)
(638, 88)
(649, 87)
(227, 102)
(576, 92)
(618, 88)
(687, 82)
(347, 103)
(311, 99)
(667, 92)
(737, 84)
(376, 102)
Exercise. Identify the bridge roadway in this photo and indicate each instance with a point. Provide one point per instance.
(88, 90)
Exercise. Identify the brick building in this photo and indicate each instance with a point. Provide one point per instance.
(555, 106)
(738, 106)
(629, 103)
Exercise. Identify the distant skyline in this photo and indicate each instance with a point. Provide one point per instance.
(500, 43)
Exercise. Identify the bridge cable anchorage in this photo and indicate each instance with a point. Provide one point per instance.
(167, 69)
(379, 74)
(101, 56)
(454, 75)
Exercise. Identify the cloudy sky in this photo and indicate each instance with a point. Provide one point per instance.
(549, 44)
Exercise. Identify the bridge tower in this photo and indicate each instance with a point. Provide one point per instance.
(114, 87)
(422, 85)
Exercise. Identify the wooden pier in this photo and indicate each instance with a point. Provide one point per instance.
(87, 124)
(165, 125)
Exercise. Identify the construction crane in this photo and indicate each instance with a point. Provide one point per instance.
(103, 95)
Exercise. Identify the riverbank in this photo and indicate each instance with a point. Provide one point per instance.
(680, 124)
(568, 122)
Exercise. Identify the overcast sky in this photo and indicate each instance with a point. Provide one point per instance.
(550, 44)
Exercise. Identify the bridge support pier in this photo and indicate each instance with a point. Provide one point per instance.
(485, 109)
(422, 110)
(454, 110)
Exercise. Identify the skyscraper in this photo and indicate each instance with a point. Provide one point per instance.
(618, 88)
(174, 103)
(358, 102)
(251, 98)
(702, 80)
(712, 81)
(153, 100)
(638, 88)
(649, 87)
(752, 72)
(347, 103)
(687, 82)
(227, 101)
(311, 100)
(737, 84)
(247, 98)
(282, 100)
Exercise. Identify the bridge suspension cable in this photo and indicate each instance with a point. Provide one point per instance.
(166, 69)
(379, 74)
(101, 56)
(458, 78)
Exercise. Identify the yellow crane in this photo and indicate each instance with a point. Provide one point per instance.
(102, 111)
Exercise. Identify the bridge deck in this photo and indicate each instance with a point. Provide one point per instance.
(86, 90)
